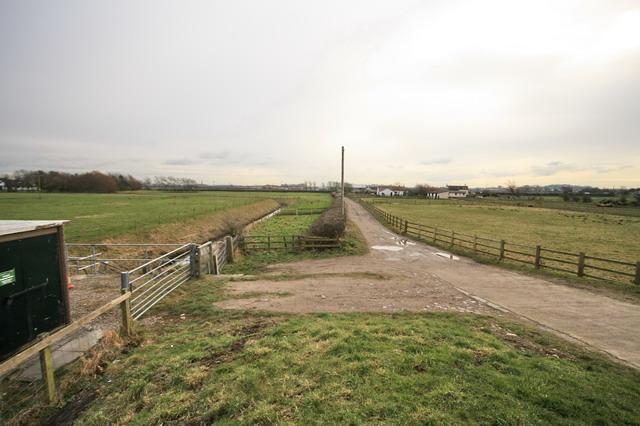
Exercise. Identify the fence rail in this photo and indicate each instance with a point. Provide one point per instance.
(539, 257)
(252, 243)
(302, 212)
(88, 258)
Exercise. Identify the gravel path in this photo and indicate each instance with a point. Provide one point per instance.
(399, 274)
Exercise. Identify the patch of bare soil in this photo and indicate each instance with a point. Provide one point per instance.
(350, 293)
(391, 278)
(91, 292)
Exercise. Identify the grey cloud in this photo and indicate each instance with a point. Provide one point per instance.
(215, 155)
(552, 168)
(436, 161)
(612, 169)
(180, 162)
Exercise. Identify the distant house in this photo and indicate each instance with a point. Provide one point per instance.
(450, 191)
(391, 191)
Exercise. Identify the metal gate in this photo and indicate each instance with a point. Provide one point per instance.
(151, 282)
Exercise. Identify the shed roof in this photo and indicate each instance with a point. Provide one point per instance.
(8, 227)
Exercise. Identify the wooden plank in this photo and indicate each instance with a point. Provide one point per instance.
(46, 366)
(49, 340)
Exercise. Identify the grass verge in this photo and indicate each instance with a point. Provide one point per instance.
(239, 367)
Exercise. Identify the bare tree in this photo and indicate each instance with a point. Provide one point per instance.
(513, 188)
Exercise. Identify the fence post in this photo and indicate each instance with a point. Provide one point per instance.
(216, 268)
(46, 366)
(453, 238)
(537, 261)
(581, 265)
(637, 280)
(93, 259)
(146, 259)
(194, 260)
(211, 257)
(125, 306)
(501, 249)
(230, 254)
(435, 234)
(406, 225)
(419, 230)
(475, 243)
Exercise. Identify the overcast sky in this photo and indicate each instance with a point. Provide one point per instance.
(255, 92)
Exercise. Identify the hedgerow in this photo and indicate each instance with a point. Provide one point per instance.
(332, 223)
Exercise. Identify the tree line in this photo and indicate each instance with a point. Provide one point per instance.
(54, 181)
(95, 181)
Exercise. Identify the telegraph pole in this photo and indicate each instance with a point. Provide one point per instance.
(342, 182)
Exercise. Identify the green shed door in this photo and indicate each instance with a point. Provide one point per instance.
(30, 290)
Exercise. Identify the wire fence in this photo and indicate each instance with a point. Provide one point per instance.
(539, 257)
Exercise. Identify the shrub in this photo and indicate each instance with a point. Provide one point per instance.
(331, 223)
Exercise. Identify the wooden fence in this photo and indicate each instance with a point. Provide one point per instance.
(43, 346)
(539, 257)
(253, 243)
(302, 212)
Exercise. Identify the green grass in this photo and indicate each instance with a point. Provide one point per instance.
(607, 236)
(241, 367)
(293, 224)
(284, 225)
(96, 217)
(631, 208)
(352, 244)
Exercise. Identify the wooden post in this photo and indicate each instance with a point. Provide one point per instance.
(419, 230)
(537, 261)
(475, 243)
(501, 249)
(581, 265)
(230, 254)
(216, 268)
(46, 366)
(211, 257)
(406, 225)
(125, 306)
(453, 238)
(637, 280)
(435, 234)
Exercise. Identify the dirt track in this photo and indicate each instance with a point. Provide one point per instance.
(399, 274)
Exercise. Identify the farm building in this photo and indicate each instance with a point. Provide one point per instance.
(33, 281)
(450, 191)
(391, 191)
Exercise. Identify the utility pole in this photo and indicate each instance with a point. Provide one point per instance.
(342, 182)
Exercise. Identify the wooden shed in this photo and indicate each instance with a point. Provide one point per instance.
(33, 281)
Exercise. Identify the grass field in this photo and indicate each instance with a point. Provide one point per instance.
(603, 235)
(631, 208)
(293, 224)
(96, 217)
(250, 367)
(197, 364)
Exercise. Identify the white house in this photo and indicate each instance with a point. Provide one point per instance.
(391, 191)
(451, 191)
